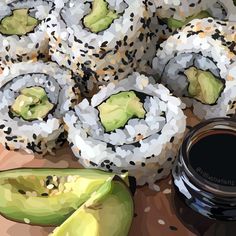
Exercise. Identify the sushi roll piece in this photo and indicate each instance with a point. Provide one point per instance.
(175, 14)
(22, 30)
(133, 126)
(228, 7)
(194, 64)
(34, 96)
(102, 41)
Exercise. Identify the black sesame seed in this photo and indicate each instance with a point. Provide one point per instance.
(2, 126)
(21, 191)
(173, 228)
(7, 147)
(44, 194)
(8, 131)
(160, 170)
(132, 163)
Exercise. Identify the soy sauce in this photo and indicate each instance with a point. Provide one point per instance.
(213, 157)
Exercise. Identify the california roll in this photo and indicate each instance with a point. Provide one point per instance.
(194, 64)
(22, 30)
(133, 126)
(34, 96)
(102, 41)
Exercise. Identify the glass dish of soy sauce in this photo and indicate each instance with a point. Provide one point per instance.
(204, 173)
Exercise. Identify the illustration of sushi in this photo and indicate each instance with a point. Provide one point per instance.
(134, 126)
(102, 41)
(22, 30)
(194, 64)
(34, 96)
(173, 15)
(227, 7)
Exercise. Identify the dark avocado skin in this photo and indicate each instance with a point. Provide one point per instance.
(26, 195)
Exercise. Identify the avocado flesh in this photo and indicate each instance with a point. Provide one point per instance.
(100, 17)
(19, 23)
(24, 194)
(119, 108)
(32, 104)
(203, 85)
(175, 24)
(109, 212)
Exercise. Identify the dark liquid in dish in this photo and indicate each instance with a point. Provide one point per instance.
(213, 157)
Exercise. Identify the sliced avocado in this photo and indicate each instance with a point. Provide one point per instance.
(19, 23)
(203, 85)
(119, 108)
(31, 104)
(100, 17)
(175, 24)
(108, 212)
(47, 196)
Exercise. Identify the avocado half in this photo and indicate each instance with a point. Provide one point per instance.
(47, 196)
(109, 212)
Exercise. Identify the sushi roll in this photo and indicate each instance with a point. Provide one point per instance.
(22, 30)
(194, 64)
(34, 96)
(228, 7)
(101, 41)
(133, 126)
(175, 14)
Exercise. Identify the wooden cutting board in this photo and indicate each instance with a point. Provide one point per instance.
(156, 213)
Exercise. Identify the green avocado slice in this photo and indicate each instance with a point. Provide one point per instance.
(119, 108)
(19, 23)
(47, 196)
(100, 17)
(32, 104)
(108, 212)
(175, 24)
(203, 85)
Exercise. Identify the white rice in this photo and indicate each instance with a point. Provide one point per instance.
(144, 147)
(41, 135)
(181, 10)
(208, 45)
(110, 55)
(32, 45)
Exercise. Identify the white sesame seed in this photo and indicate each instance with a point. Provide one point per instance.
(147, 209)
(50, 186)
(161, 222)
(167, 191)
(27, 221)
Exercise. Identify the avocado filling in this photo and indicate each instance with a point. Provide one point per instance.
(32, 104)
(19, 23)
(203, 85)
(175, 24)
(100, 17)
(119, 108)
